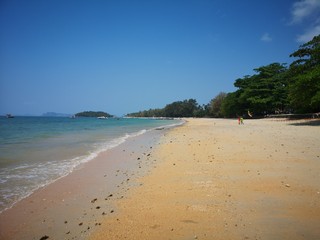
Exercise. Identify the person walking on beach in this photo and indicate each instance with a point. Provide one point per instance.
(241, 120)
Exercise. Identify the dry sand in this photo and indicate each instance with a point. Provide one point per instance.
(215, 179)
(207, 179)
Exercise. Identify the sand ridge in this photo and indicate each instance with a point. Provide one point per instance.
(215, 179)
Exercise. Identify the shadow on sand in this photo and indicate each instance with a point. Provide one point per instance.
(309, 122)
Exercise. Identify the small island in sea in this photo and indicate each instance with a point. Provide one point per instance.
(54, 114)
(93, 114)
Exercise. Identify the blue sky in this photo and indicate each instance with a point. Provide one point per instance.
(124, 56)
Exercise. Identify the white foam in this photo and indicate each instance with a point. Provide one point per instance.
(36, 176)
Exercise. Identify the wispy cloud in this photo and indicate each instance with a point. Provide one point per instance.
(309, 34)
(303, 9)
(266, 37)
(307, 12)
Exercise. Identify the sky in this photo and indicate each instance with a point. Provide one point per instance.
(123, 56)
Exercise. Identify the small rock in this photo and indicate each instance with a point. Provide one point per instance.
(44, 237)
(80, 224)
(287, 185)
(94, 200)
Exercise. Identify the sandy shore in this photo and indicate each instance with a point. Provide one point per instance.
(207, 179)
(214, 179)
(75, 206)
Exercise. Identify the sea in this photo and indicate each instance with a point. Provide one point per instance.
(36, 151)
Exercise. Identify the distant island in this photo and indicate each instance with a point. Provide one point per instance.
(54, 114)
(93, 114)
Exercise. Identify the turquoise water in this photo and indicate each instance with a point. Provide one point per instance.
(35, 151)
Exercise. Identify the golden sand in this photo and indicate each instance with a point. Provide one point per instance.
(215, 179)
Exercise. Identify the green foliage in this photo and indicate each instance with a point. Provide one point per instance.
(308, 54)
(148, 113)
(273, 89)
(215, 105)
(93, 114)
(230, 106)
(186, 108)
(262, 93)
(277, 89)
(304, 88)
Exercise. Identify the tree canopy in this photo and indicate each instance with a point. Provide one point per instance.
(274, 88)
(186, 108)
(304, 87)
(264, 92)
(93, 114)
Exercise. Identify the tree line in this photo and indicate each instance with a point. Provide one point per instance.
(93, 114)
(186, 108)
(273, 89)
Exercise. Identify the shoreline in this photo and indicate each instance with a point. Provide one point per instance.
(219, 180)
(204, 179)
(74, 205)
(51, 148)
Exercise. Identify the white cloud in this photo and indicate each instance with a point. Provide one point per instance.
(266, 37)
(303, 9)
(309, 34)
(306, 12)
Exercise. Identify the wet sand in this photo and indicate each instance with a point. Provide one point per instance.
(214, 179)
(75, 206)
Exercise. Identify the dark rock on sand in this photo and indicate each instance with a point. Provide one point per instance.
(44, 237)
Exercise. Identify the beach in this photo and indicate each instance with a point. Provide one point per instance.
(216, 179)
(75, 205)
(206, 179)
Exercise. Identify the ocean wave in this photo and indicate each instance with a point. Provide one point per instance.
(19, 182)
(38, 175)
